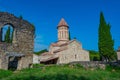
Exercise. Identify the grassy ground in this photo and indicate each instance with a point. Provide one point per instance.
(64, 72)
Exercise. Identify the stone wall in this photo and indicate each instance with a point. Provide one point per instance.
(74, 52)
(118, 56)
(35, 59)
(91, 64)
(23, 39)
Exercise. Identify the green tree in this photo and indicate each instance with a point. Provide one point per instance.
(11, 37)
(40, 52)
(21, 17)
(7, 35)
(94, 55)
(105, 42)
(69, 36)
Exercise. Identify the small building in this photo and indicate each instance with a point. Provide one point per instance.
(35, 59)
(118, 54)
(64, 50)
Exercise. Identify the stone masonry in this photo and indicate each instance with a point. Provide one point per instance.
(21, 48)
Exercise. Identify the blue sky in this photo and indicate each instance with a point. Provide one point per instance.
(81, 15)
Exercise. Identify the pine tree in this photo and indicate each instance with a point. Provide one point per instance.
(7, 35)
(105, 42)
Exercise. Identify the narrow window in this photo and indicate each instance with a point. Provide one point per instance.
(6, 34)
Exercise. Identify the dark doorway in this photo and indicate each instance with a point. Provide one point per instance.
(13, 63)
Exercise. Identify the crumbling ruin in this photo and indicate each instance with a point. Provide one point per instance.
(19, 53)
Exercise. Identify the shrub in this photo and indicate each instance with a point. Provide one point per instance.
(38, 65)
(5, 73)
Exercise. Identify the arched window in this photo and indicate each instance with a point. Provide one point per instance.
(7, 34)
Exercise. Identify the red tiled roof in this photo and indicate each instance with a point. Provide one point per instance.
(62, 23)
(46, 53)
(61, 49)
(48, 59)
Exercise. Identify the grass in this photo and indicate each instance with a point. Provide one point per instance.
(63, 72)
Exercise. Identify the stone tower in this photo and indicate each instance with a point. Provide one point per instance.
(63, 35)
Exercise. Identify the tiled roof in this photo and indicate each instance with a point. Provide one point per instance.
(46, 53)
(62, 23)
(61, 49)
(48, 59)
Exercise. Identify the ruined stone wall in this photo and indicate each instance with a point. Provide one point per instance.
(91, 64)
(23, 39)
(118, 55)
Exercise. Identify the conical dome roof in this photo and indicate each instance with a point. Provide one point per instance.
(62, 23)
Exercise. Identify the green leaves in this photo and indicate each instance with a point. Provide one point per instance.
(8, 36)
(105, 41)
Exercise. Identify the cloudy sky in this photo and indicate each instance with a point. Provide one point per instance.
(82, 17)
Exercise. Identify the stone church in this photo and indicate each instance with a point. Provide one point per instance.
(64, 50)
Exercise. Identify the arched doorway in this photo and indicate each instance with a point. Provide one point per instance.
(7, 33)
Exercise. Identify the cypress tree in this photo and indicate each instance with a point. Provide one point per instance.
(105, 42)
(69, 36)
(11, 38)
(7, 35)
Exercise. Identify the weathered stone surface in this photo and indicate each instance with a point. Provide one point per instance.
(91, 64)
(64, 50)
(23, 41)
(118, 54)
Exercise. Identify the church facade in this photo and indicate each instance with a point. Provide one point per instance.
(64, 50)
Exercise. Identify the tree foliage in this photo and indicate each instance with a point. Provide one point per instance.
(7, 35)
(94, 55)
(40, 52)
(69, 36)
(21, 17)
(105, 41)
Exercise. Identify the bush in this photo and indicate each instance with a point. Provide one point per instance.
(111, 68)
(94, 55)
(38, 65)
(5, 73)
